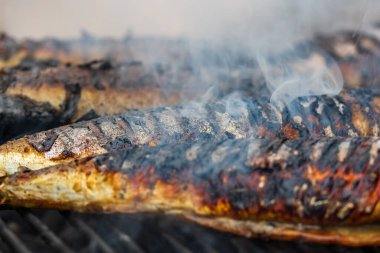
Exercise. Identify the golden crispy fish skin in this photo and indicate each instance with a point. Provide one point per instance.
(323, 189)
(353, 113)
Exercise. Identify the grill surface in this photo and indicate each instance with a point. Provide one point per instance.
(52, 231)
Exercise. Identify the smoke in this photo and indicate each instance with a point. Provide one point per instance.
(265, 30)
(222, 38)
(291, 76)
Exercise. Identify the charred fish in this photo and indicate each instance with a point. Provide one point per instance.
(353, 113)
(322, 189)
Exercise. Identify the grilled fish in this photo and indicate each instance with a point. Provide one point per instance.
(22, 115)
(13, 52)
(80, 92)
(322, 189)
(85, 49)
(9, 52)
(353, 113)
(357, 55)
(103, 87)
(97, 88)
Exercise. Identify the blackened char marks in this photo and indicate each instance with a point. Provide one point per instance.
(265, 119)
(97, 75)
(88, 116)
(97, 65)
(8, 46)
(66, 154)
(363, 44)
(20, 116)
(359, 159)
(69, 106)
(119, 143)
(232, 118)
(329, 153)
(5, 81)
(352, 113)
(45, 144)
(280, 179)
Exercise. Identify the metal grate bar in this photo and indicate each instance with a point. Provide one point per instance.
(15, 242)
(53, 240)
(206, 247)
(244, 246)
(128, 240)
(179, 247)
(128, 233)
(92, 234)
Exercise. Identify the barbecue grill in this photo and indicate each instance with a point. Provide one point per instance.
(25, 231)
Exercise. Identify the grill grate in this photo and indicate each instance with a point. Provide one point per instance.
(53, 231)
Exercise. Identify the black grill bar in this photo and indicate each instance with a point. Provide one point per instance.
(206, 248)
(119, 240)
(180, 248)
(41, 231)
(133, 246)
(52, 239)
(93, 235)
(13, 240)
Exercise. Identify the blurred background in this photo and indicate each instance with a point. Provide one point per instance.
(212, 19)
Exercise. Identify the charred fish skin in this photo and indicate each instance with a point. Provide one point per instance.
(23, 116)
(128, 86)
(8, 51)
(76, 51)
(347, 44)
(353, 113)
(263, 179)
(357, 56)
(13, 52)
(314, 189)
(73, 93)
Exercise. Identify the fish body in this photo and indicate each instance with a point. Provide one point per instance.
(318, 189)
(352, 113)
(357, 56)
(77, 92)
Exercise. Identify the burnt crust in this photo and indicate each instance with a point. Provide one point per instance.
(22, 116)
(79, 92)
(267, 179)
(312, 189)
(356, 54)
(353, 113)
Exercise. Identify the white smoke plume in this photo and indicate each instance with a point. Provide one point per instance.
(249, 26)
(300, 77)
